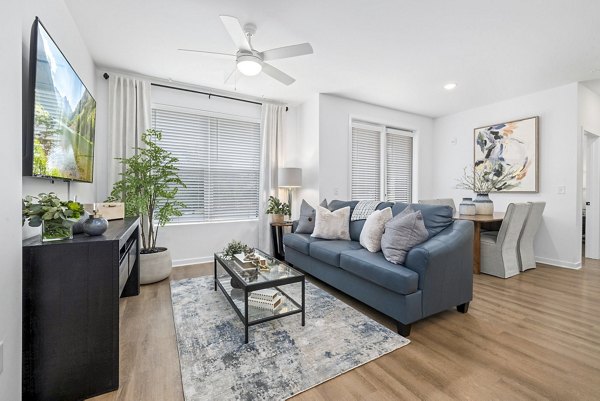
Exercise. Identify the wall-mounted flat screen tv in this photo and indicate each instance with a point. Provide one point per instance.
(63, 115)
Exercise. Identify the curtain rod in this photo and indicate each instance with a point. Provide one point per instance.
(106, 76)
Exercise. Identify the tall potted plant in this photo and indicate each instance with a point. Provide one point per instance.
(148, 187)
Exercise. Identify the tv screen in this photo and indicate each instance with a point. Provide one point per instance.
(64, 114)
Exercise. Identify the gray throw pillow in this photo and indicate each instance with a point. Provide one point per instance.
(306, 222)
(401, 234)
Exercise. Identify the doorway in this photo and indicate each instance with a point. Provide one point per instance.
(590, 207)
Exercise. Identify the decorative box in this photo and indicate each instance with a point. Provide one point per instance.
(108, 210)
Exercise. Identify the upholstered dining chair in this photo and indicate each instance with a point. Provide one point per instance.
(500, 249)
(532, 224)
(442, 201)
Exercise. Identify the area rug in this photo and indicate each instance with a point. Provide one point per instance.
(282, 358)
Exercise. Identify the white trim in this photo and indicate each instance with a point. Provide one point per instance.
(203, 113)
(558, 263)
(192, 261)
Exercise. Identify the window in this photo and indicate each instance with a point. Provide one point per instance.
(219, 161)
(381, 163)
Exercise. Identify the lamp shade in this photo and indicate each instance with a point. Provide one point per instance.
(290, 177)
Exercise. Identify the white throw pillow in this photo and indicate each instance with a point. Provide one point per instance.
(370, 236)
(332, 225)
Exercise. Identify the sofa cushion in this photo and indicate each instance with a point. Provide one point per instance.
(332, 225)
(401, 234)
(338, 204)
(306, 222)
(374, 268)
(329, 251)
(435, 217)
(299, 242)
(355, 226)
(370, 236)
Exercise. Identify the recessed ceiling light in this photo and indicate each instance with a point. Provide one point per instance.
(450, 85)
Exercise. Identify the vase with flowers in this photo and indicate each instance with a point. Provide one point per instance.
(483, 181)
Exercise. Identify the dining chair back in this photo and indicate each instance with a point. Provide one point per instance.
(532, 224)
(500, 249)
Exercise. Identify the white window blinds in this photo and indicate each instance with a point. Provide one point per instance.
(381, 163)
(219, 161)
(399, 162)
(366, 166)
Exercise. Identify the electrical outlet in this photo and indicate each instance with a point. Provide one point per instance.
(1, 356)
(562, 190)
(454, 141)
(336, 191)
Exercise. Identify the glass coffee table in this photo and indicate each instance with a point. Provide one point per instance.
(238, 279)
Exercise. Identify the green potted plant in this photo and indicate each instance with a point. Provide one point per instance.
(148, 187)
(277, 209)
(54, 215)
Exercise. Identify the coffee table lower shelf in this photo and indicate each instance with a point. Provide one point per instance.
(249, 315)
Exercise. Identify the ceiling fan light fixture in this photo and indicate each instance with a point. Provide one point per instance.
(249, 65)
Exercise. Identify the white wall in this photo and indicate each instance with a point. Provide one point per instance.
(334, 142)
(558, 241)
(305, 153)
(60, 24)
(10, 165)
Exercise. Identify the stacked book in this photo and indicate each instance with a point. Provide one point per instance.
(268, 299)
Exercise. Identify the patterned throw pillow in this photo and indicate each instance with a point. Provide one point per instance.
(401, 234)
(370, 236)
(306, 222)
(332, 225)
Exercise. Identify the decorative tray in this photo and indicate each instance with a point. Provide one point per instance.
(247, 263)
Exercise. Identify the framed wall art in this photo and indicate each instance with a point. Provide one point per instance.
(509, 149)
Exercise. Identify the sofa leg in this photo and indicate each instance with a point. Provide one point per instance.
(403, 329)
(463, 308)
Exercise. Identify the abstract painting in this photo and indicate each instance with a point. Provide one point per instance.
(509, 149)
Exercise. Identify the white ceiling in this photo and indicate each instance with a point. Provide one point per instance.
(395, 53)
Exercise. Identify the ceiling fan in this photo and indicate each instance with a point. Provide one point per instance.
(251, 62)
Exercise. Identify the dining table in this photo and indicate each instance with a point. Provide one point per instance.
(478, 221)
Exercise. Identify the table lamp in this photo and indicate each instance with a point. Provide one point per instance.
(290, 178)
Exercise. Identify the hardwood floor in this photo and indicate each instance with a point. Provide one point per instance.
(533, 336)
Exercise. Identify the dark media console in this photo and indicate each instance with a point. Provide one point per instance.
(71, 292)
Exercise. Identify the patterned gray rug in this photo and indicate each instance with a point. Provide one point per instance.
(282, 358)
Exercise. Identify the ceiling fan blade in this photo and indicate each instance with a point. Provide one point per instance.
(287, 51)
(202, 51)
(277, 74)
(236, 32)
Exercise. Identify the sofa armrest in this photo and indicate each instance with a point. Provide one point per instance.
(445, 267)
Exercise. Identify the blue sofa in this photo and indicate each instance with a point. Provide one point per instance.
(437, 274)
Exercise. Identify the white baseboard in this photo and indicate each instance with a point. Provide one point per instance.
(192, 261)
(558, 263)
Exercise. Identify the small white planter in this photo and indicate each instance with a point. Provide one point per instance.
(155, 266)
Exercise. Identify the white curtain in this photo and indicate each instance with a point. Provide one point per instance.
(129, 112)
(271, 157)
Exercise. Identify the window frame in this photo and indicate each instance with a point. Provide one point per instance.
(382, 128)
(211, 114)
